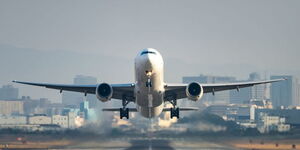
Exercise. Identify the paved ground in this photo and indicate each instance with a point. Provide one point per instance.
(46, 142)
(149, 144)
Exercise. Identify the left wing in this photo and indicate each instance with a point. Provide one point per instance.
(119, 90)
(178, 90)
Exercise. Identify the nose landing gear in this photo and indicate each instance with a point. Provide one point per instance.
(149, 83)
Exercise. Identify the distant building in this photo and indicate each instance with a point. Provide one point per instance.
(235, 112)
(11, 107)
(285, 93)
(257, 92)
(29, 105)
(72, 120)
(291, 115)
(268, 123)
(39, 119)
(55, 109)
(73, 98)
(39, 106)
(243, 96)
(62, 121)
(84, 109)
(261, 104)
(8, 92)
(13, 120)
(65, 121)
(89, 114)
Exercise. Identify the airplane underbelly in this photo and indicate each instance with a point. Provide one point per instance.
(151, 99)
(150, 104)
(150, 112)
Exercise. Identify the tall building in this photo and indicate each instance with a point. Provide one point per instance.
(219, 97)
(285, 93)
(73, 98)
(36, 106)
(240, 97)
(9, 92)
(257, 92)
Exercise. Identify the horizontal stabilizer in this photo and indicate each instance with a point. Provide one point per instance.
(164, 110)
(183, 109)
(118, 109)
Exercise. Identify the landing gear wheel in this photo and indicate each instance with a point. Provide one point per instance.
(124, 112)
(175, 112)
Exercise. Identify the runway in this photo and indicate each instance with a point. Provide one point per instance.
(144, 142)
(148, 144)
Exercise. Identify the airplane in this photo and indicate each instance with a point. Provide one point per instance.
(149, 92)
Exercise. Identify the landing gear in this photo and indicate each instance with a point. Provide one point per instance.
(174, 112)
(149, 83)
(124, 112)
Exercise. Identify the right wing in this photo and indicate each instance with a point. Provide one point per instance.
(178, 90)
(119, 90)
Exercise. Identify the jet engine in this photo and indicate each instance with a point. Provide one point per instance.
(194, 91)
(104, 92)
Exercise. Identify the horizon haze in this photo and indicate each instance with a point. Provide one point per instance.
(52, 41)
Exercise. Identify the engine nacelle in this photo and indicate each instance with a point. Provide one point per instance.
(104, 92)
(194, 91)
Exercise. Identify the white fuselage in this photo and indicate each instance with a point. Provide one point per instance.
(149, 87)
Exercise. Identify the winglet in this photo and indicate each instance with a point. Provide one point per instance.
(16, 81)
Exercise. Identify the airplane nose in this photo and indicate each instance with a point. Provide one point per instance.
(149, 61)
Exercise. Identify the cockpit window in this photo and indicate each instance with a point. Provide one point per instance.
(147, 52)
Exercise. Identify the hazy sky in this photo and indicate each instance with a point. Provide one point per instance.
(101, 38)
